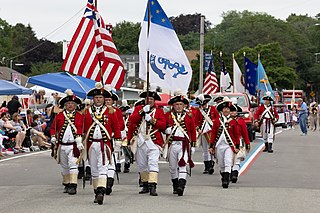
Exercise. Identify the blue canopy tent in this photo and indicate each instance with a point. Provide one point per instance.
(10, 88)
(62, 80)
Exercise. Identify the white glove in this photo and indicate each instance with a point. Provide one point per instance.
(147, 117)
(193, 150)
(168, 131)
(79, 143)
(146, 108)
(53, 140)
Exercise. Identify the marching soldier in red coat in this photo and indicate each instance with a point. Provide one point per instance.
(243, 139)
(224, 140)
(204, 118)
(101, 126)
(126, 112)
(115, 158)
(66, 134)
(151, 122)
(204, 124)
(265, 118)
(181, 138)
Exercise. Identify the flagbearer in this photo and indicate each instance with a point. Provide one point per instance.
(265, 117)
(152, 122)
(181, 137)
(101, 126)
(224, 140)
(66, 134)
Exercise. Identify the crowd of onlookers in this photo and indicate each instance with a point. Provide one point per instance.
(307, 116)
(25, 131)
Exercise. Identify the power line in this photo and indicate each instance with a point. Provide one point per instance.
(45, 37)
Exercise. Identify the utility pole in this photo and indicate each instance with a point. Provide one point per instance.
(201, 54)
(316, 54)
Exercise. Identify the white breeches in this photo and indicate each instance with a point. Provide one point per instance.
(67, 160)
(147, 158)
(269, 134)
(98, 170)
(175, 154)
(236, 165)
(111, 166)
(206, 155)
(225, 157)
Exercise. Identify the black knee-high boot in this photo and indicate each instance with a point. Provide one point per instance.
(175, 184)
(265, 147)
(182, 185)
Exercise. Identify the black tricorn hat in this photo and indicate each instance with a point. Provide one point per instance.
(114, 97)
(226, 103)
(239, 109)
(124, 108)
(268, 96)
(70, 97)
(99, 90)
(178, 98)
(152, 94)
(139, 102)
(218, 98)
(202, 99)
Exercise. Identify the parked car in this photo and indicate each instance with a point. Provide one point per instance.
(247, 110)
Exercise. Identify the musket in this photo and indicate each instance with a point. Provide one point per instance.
(83, 175)
(115, 163)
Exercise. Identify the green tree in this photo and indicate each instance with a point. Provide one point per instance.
(125, 36)
(45, 67)
(190, 23)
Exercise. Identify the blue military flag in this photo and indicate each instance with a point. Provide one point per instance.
(169, 65)
(250, 76)
(263, 83)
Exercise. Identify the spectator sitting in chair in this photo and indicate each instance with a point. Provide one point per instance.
(19, 126)
(38, 138)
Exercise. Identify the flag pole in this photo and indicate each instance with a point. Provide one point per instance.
(234, 77)
(148, 54)
(245, 73)
(201, 54)
(220, 70)
(99, 60)
(148, 62)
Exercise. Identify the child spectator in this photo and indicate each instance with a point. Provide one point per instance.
(40, 125)
(38, 138)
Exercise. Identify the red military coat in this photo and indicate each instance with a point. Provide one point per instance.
(120, 118)
(199, 119)
(242, 130)
(110, 121)
(189, 122)
(261, 109)
(58, 123)
(214, 114)
(232, 130)
(159, 126)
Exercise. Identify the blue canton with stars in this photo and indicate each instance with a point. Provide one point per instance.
(157, 14)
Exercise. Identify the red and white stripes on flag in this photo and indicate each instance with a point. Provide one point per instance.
(90, 43)
(210, 85)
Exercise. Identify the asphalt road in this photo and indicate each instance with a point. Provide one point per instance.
(285, 181)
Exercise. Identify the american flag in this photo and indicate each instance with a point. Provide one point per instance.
(210, 85)
(91, 47)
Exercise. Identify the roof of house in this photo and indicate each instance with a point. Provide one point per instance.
(6, 74)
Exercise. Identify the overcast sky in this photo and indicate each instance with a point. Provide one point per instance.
(46, 16)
